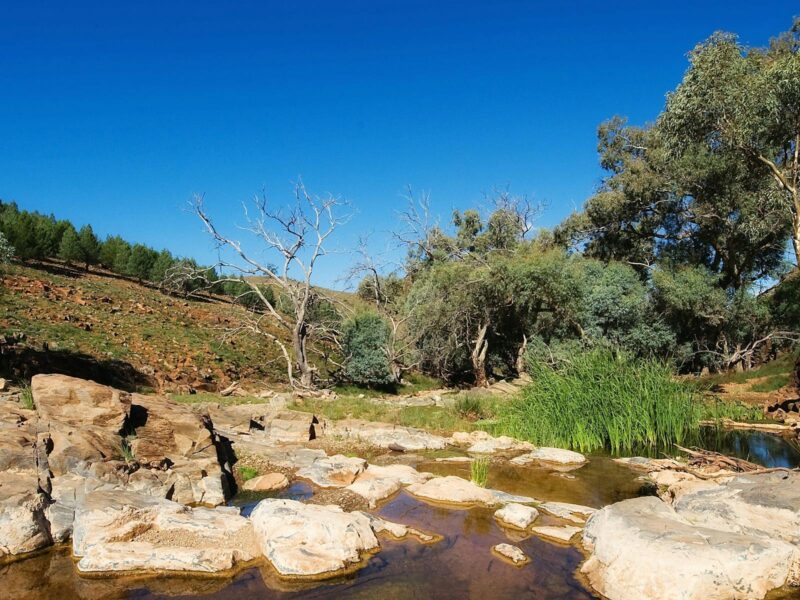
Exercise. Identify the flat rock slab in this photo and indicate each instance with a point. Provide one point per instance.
(517, 515)
(642, 549)
(386, 435)
(400, 531)
(266, 483)
(561, 534)
(555, 456)
(512, 554)
(311, 540)
(576, 513)
(480, 442)
(455, 490)
(333, 471)
(379, 482)
(161, 535)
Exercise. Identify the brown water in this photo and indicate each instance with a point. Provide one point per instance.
(459, 566)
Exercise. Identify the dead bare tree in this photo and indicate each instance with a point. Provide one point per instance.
(296, 236)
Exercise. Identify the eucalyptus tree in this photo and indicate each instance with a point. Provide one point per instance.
(746, 102)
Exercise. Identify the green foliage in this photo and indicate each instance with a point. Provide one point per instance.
(600, 399)
(471, 407)
(479, 471)
(140, 262)
(247, 473)
(772, 383)
(364, 341)
(89, 246)
(126, 451)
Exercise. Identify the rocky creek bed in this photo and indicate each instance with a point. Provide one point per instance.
(79, 520)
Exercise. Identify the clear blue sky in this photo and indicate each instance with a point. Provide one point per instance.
(115, 113)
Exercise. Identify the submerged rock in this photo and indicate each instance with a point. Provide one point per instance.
(311, 540)
(398, 530)
(511, 553)
(455, 490)
(642, 549)
(517, 515)
(125, 531)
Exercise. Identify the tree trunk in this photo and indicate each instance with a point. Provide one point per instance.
(299, 337)
(521, 355)
(479, 357)
(797, 374)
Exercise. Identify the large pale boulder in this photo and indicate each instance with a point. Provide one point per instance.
(333, 471)
(576, 513)
(455, 490)
(82, 419)
(642, 549)
(23, 526)
(379, 482)
(480, 442)
(311, 540)
(766, 504)
(126, 531)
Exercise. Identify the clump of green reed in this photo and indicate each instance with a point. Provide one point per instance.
(126, 450)
(602, 399)
(26, 398)
(479, 471)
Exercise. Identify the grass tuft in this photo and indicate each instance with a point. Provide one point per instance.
(247, 473)
(126, 451)
(26, 398)
(479, 471)
(601, 399)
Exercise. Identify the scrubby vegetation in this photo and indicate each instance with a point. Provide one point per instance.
(479, 471)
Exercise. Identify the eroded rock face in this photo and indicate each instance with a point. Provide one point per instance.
(576, 513)
(642, 549)
(124, 531)
(379, 482)
(82, 419)
(455, 490)
(311, 540)
(23, 527)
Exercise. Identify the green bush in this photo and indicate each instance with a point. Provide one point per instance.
(247, 473)
(365, 339)
(602, 399)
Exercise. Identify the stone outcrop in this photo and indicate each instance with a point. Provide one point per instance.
(563, 533)
(643, 549)
(82, 419)
(386, 435)
(125, 531)
(311, 540)
(480, 442)
(576, 513)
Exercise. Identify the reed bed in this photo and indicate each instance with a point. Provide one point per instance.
(602, 399)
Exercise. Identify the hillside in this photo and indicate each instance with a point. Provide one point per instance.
(117, 331)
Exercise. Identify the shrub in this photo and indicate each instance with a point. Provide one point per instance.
(470, 406)
(26, 398)
(602, 399)
(365, 339)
